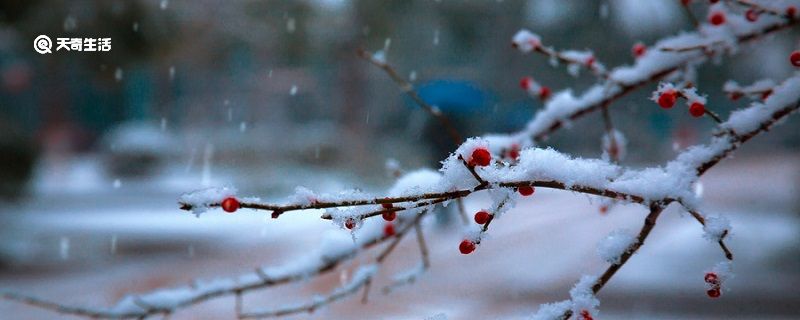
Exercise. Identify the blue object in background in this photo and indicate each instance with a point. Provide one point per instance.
(453, 96)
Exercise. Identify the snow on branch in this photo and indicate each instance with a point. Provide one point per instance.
(526, 41)
(334, 249)
(360, 279)
(650, 66)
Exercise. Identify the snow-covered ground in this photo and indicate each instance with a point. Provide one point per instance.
(91, 248)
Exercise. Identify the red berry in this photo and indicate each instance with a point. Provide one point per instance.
(526, 82)
(544, 93)
(751, 15)
(480, 157)
(735, 95)
(482, 217)
(603, 209)
(713, 293)
(791, 11)
(388, 229)
(585, 315)
(714, 1)
(711, 278)
(350, 224)
(697, 109)
(667, 99)
(514, 152)
(230, 204)
(638, 49)
(795, 58)
(525, 190)
(717, 18)
(466, 247)
(686, 2)
(590, 61)
(389, 215)
(386, 205)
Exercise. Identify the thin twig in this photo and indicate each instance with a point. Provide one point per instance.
(341, 292)
(471, 169)
(436, 196)
(713, 115)
(408, 89)
(613, 153)
(760, 8)
(690, 14)
(594, 66)
(644, 232)
(702, 220)
(462, 211)
(423, 249)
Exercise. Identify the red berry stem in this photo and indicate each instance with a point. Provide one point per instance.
(714, 116)
(471, 168)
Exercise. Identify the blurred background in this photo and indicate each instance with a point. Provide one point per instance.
(95, 148)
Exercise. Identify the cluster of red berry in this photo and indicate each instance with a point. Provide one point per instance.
(585, 315)
(389, 216)
(481, 157)
(717, 18)
(530, 85)
(668, 98)
(714, 282)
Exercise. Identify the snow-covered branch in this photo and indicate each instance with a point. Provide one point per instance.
(652, 65)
